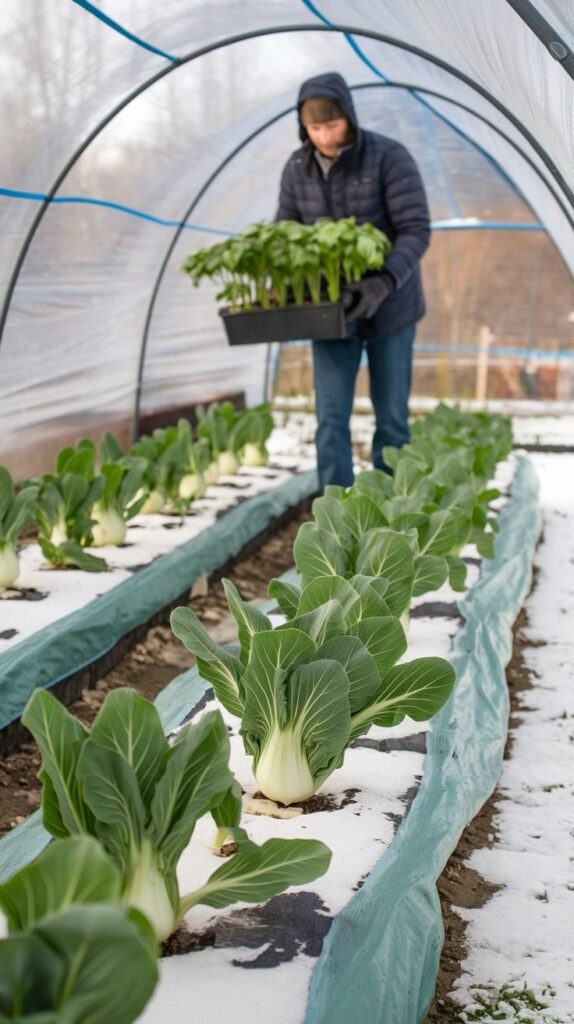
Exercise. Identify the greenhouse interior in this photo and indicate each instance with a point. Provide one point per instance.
(286, 511)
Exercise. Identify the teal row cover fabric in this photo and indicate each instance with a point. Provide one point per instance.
(380, 960)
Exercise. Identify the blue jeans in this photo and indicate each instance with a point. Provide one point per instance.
(335, 367)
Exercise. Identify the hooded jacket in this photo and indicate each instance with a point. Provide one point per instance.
(375, 180)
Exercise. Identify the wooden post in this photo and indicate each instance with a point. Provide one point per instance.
(484, 341)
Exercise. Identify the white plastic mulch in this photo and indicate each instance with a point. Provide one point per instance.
(524, 935)
(219, 983)
(358, 834)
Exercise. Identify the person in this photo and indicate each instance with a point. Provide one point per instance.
(342, 170)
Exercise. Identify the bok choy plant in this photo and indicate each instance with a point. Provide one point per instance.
(436, 534)
(16, 511)
(171, 457)
(123, 784)
(71, 944)
(435, 501)
(163, 471)
(122, 494)
(447, 474)
(121, 499)
(488, 434)
(358, 534)
(219, 425)
(196, 459)
(256, 428)
(306, 689)
(63, 510)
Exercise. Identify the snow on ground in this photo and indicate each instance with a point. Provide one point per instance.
(525, 933)
(540, 423)
(544, 429)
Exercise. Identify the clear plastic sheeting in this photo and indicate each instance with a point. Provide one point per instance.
(63, 71)
(133, 115)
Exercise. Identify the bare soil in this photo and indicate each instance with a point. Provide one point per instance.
(320, 801)
(151, 664)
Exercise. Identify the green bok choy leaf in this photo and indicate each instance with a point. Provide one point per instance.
(71, 943)
(141, 798)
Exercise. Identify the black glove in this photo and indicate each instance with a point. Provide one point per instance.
(362, 300)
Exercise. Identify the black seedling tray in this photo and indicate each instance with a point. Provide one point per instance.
(288, 323)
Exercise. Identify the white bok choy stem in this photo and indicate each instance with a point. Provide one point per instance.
(254, 455)
(212, 473)
(192, 485)
(227, 463)
(153, 504)
(109, 527)
(9, 566)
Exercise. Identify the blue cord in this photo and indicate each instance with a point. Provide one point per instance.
(40, 197)
(91, 9)
(469, 350)
(12, 193)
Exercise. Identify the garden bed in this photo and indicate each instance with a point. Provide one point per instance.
(366, 898)
(161, 559)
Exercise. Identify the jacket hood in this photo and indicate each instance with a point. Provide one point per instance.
(330, 86)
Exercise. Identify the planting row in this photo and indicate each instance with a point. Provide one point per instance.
(95, 491)
(123, 804)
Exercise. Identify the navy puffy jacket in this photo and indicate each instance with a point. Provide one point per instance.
(375, 180)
